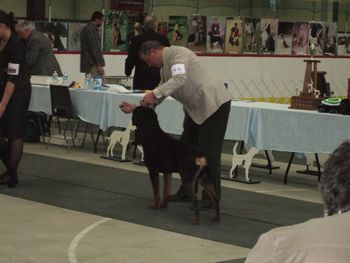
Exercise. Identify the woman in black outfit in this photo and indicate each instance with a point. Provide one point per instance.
(15, 91)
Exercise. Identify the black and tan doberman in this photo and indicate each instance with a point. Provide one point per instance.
(165, 154)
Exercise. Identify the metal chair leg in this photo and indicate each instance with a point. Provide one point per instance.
(41, 127)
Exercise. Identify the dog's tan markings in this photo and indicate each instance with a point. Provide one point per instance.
(201, 162)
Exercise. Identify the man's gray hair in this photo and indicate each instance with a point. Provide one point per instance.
(150, 23)
(335, 185)
(146, 47)
(22, 25)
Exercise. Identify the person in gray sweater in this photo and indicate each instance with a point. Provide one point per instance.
(39, 54)
(320, 240)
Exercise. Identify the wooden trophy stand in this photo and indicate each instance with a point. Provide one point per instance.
(308, 99)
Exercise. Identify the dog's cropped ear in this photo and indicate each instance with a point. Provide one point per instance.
(143, 114)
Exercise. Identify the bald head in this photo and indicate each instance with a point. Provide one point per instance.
(150, 23)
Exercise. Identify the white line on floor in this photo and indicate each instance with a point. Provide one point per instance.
(283, 190)
(73, 245)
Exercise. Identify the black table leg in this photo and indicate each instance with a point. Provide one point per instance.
(318, 167)
(96, 141)
(288, 167)
(240, 152)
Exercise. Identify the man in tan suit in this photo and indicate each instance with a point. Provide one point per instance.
(321, 240)
(205, 99)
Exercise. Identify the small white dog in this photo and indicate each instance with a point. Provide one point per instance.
(121, 137)
(311, 160)
(242, 159)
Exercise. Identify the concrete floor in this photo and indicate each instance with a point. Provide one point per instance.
(36, 232)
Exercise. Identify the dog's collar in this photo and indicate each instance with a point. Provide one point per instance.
(151, 106)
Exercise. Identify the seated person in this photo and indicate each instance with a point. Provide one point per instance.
(321, 240)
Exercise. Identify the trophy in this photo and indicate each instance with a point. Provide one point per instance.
(310, 97)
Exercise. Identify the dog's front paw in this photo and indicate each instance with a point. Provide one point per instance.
(163, 204)
(216, 218)
(154, 204)
(195, 220)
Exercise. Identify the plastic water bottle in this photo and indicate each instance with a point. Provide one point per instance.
(55, 77)
(98, 83)
(88, 81)
(65, 79)
(91, 82)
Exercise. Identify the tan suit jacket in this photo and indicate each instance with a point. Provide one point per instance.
(185, 78)
(320, 240)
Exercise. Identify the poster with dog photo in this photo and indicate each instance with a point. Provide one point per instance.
(115, 31)
(197, 33)
(74, 29)
(216, 34)
(268, 29)
(56, 32)
(343, 44)
(284, 38)
(330, 39)
(251, 35)
(316, 38)
(178, 30)
(234, 35)
(300, 39)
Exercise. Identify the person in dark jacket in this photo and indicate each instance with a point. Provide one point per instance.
(15, 91)
(145, 77)
(91, 55)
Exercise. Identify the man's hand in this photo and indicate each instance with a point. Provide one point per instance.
(127, 107)
(149, 99)
(100, 70)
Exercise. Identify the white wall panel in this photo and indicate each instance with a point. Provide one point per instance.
(246, 76)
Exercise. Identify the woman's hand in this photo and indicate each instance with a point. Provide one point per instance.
(127, 107)
(2, 109)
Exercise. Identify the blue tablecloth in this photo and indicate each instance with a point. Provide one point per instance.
(267, 126)
(297, 130)
(102, 108)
